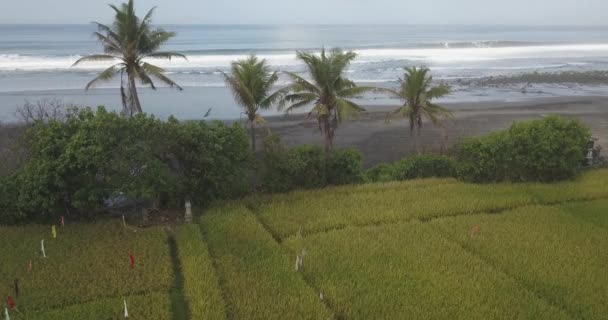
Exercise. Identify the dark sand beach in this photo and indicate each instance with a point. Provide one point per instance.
(380, 141)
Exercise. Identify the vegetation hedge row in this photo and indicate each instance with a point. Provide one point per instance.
(93, 157)
(549, 149)
(308, 167)
(416, 167)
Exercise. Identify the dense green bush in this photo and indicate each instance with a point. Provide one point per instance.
(550, 149)
(344, 167)
(305, 167)
(288, 169)
(78, 164)
(416, 167)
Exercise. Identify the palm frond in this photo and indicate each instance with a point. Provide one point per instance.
(95, 57)
(104, 76)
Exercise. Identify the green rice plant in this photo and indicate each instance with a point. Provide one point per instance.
(201, 286)
(330, 211)
(154, 305)
(558, 256)
(591, 185)
(409, 271)
(259, 282)
(595, 212)
(85, 263)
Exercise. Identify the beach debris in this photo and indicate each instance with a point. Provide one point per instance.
(62, 221)
(124, 301)
(10, 303)
(54, 231)
(42, 248)
(6, 316)
(474, 231)
(132, 261)
(16, 288)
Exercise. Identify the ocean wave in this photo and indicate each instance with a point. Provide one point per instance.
(432, 56)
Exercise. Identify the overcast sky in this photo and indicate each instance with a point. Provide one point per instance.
(537, 12)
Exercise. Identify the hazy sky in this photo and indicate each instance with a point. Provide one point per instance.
(562, 12)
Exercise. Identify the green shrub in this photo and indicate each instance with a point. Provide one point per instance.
(344, 167)
(307, 167)
(544, 150)
(484, 159)
(288, 169)
(416, 167)
(79, 163)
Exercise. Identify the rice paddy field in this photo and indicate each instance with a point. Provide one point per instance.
(427, 249)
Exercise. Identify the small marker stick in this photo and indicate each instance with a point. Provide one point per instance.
(124, 222)
(132, 261)
(6, 316)
(42, 248)
(62, 221)
(126, 310)
(321, 296)
(29, 266)
(54, 232)
(16, 288)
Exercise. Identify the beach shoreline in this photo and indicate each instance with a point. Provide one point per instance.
(380, 141)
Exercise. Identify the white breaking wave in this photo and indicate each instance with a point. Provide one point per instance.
(433, 56)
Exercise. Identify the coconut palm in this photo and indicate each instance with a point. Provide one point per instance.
(129, 42)
(328, 91)
(251, 81)
(416, 92)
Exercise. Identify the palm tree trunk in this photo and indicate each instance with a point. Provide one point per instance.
(327, 133)
(252, 128)
(134, 96)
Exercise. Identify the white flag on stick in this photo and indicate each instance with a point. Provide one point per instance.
(42, 248)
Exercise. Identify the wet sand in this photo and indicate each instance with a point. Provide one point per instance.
(380, 141)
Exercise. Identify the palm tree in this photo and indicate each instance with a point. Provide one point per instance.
(128, 42)
(250, 82)
(328, 91)
(417, 94)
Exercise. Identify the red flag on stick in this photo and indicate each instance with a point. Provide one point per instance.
(10, 302)
(132, 260)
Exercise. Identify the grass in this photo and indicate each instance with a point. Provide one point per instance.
(259, 281)
(409, 269)
(201, 285)
(555, 254)
(144, 307)
(426, 249)
(289, 214)
(85, 263)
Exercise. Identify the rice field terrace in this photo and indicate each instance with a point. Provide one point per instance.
(426, 249)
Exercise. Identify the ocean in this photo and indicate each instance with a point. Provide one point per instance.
(36, 61)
